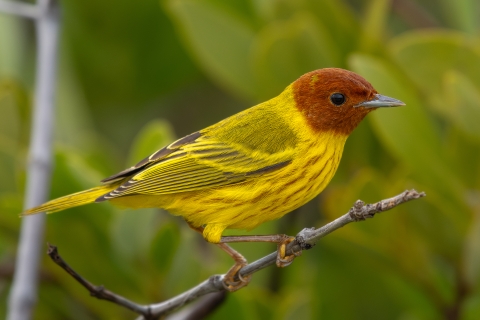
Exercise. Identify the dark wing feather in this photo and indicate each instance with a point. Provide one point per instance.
(156, 156)
(201, 164)
(251, 143)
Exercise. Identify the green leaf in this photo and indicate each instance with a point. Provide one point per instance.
(284, 50)
(219, 40)
(462, 14)
(374, 25)
(425, 56)
(409, 133)
(463, 103)
(154, 135)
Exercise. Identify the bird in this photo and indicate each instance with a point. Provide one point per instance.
(250, 168)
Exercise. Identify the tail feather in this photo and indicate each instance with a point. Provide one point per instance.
(71, 200)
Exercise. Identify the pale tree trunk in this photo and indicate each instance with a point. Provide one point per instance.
(23, 294)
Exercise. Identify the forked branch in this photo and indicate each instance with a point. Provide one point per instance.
(305, 239)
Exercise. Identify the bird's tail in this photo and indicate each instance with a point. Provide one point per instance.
(71, 200)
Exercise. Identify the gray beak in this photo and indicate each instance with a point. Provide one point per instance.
(380, 101)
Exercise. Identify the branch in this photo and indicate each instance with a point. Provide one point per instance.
(359, 212)
(305, 240)
(23, 293)
(98, 292)
(202, 308)
(21, 9)
(213, 284)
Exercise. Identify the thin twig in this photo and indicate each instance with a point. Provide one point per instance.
(23, 293)
(359, 212)
(305, 239)
(308, 237)
(212, 284)
(21, 9)
(98, 292)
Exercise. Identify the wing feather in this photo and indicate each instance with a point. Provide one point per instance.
(156, 156)
(197, 166)
(234, 150)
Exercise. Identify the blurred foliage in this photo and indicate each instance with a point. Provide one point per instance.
(131, 72)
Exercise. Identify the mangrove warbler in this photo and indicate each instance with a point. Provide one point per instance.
(252, 167)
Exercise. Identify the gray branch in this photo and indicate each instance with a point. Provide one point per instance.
(308, 237)
(23, 292)
(305, 239)
(25, 10)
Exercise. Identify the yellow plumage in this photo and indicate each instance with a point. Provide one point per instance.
(72, 200)
(252, 167)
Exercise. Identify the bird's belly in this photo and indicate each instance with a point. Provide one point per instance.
(270, 196)
(287, 192)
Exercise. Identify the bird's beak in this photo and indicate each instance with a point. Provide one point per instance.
(380, 101)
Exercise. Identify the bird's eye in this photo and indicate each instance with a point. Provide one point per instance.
(337, 99)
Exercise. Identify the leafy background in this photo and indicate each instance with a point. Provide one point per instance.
(135, 75)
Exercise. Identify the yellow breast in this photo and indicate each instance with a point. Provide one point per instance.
(263, 198)
(314, 157)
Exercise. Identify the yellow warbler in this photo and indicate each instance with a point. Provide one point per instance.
(250, 168)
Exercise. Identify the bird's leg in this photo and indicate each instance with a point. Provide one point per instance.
(282, 240)
(229, 280)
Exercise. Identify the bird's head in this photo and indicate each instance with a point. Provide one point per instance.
(337, 100)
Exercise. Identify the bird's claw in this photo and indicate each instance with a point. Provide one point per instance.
(282, 259)
(229, 282)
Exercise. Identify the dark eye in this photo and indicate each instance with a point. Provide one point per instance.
(337, 99)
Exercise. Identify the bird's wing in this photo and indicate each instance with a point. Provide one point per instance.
(154, 157)
(195, 162)
(250, 143)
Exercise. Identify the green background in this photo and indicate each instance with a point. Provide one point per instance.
(133, 75)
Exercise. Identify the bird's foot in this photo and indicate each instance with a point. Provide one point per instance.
(282, 259)
(233, 281)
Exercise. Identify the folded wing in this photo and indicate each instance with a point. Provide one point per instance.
(193, 163)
